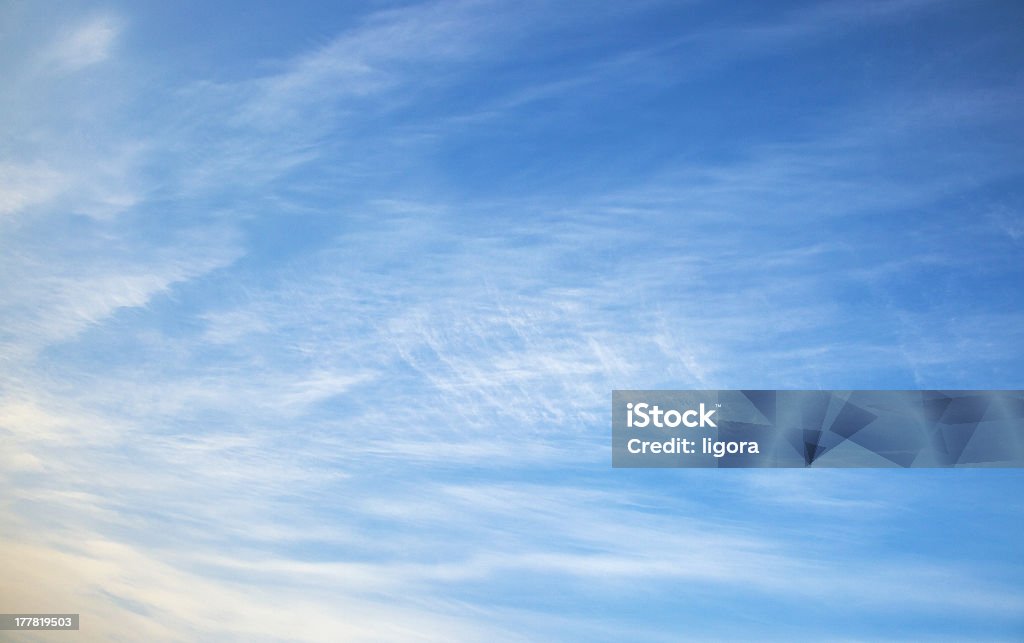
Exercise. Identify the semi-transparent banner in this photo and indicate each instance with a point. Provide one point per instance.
(766, 428)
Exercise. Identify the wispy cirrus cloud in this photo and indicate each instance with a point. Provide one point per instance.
(273, 363)
(25, 186)
(82, 45)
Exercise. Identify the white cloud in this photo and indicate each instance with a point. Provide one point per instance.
(24, 186)
(84, 45)
(51, 301)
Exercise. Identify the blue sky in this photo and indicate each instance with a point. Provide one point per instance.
(311, 314)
